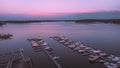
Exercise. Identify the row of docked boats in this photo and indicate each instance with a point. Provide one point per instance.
(94, 55)
(46, 48)
(19, 62)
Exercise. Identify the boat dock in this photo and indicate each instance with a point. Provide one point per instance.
(95, 55)
(40, 43)
(20, 62)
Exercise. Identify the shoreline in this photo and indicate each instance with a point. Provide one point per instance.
(115, 21)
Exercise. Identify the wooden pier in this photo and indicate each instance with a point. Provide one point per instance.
(20, 62)
(50, 54)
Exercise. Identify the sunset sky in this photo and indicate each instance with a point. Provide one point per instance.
(49, 7)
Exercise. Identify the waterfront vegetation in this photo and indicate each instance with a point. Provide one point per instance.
(5, 36)
(114, 21)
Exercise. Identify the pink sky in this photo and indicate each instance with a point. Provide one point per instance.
(50, 7)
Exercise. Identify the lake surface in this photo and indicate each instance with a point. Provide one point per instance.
(105, 37)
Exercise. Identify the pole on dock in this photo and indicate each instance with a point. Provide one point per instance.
(21, 53)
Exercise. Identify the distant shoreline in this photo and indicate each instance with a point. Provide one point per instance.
(116, 21)
(29, 21)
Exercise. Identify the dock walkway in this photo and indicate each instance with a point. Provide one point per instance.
(19, 62)
(46, 49)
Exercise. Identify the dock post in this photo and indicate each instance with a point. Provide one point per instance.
(21, 53)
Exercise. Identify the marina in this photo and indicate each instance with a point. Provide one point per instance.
(94, 55)
(39, 43)
(59, 33)
(102, 39)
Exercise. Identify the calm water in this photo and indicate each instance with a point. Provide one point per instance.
(105, 37)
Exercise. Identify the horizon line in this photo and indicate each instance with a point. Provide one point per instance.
(54, 13)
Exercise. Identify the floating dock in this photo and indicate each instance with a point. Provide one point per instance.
(44, 46)
(95, 55)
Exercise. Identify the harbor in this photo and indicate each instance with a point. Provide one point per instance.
(94, 55)
(90, 45)
(38, 44)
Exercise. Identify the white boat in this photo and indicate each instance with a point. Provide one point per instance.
(62, 37)
(35, 45)
(56, 57)
(45, 44)
(103, 54)
(86, 53)
(116, 59)
(95, 51)
(76, 48)
(72, 46)
(48, 48)
(93, 58)
(77, 43)
(81, 51)
(111, 65)
(88, 48)
(66, 43)
(62, 41)
(40, 38)
(82, 46)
